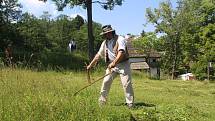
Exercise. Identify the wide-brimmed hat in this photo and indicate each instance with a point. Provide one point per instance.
(106, 29)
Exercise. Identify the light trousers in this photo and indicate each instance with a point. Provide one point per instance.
(125, 76)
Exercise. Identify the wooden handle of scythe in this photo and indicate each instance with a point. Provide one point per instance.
(90, 84)
(88, 76)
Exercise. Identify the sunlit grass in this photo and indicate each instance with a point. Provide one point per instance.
(28, 95)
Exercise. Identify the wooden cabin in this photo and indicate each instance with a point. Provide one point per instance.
(142, 61)
(153, 59)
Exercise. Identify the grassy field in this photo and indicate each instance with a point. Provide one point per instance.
(48, 96)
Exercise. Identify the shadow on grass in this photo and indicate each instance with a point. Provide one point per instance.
(142, 104)
(138, 104)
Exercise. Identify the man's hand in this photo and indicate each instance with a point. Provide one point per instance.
(93, 62)
(88, 67)
(111, 65)
(117, 60)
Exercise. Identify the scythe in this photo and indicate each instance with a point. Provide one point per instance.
(91, 83)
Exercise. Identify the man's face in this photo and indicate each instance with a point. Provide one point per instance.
(108, 36)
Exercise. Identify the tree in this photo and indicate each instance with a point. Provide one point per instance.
(206, 44)
(108, 5)
(60, 32)
(147, 43)
(45, 16)
(78, 22)
(32, 33)
(9, 12)
(166, 23)
(188, 34)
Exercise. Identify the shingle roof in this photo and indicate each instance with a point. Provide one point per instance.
(134, 52)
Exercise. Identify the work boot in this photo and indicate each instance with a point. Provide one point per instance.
(102, 103)
(130, 105)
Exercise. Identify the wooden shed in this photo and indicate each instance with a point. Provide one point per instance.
(143, 61)
(153, 59)
(138, 60)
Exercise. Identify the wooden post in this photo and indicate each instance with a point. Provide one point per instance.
(209, 66)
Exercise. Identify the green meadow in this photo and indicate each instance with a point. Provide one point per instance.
(27, 95)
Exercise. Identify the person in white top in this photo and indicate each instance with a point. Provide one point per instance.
(114, 50)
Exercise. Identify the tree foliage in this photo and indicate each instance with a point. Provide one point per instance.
(166, 22)
(47, 37)
(188, 34)
(147, 43)
(106, 4)
(87, 4)
(9, 12)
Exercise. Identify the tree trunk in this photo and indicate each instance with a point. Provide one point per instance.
(90, 30)
(174, 61)
(175, 58)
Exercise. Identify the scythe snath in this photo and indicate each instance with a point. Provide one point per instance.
(90, 83)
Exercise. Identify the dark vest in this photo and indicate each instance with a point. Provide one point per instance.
(115, 49)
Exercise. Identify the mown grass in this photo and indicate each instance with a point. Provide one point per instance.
(48, 96)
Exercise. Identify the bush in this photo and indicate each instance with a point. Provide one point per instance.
(1, 62)
(63, 60)
(200, 69)
(50, 60)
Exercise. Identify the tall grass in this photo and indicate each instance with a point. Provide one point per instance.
(34, 96)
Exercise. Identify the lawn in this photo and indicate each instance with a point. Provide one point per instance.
(27, 95)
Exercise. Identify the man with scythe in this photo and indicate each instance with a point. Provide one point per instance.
(115, 52)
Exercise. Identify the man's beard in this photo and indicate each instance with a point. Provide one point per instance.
(109, 38)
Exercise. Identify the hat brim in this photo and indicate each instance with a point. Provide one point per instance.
(107, 32)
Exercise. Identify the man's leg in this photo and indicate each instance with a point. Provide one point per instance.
(106, 86)
(127, 83)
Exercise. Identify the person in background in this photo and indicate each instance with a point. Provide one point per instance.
(114, 50)
(8, 55)
(72, 45)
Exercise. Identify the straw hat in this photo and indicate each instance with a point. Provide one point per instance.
(106, 29)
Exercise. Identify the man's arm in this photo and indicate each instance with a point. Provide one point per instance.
(119, 57)
(97, 56)
(94, 61)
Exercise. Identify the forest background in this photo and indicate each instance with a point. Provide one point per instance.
(186, 37)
